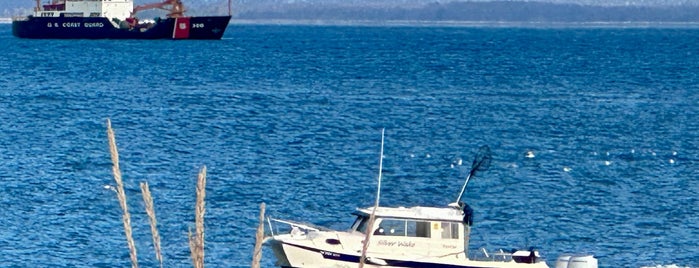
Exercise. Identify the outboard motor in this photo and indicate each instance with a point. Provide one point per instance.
(526, 256)
(468, 213)
(568, 261)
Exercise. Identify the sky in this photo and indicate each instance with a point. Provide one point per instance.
(625, 2)
(19, 3)
(18, 7)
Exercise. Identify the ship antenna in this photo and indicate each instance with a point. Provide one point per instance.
(229, 7)
(480, 163)
(370, 227)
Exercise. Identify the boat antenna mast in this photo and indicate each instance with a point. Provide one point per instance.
(372, 217)
(480, 163)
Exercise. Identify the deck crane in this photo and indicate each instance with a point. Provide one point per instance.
(175, 8)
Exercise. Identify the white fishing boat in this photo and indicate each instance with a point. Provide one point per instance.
(402, 237)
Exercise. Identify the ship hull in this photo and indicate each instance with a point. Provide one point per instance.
(210, 27)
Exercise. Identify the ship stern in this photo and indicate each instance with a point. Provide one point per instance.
(20, 27)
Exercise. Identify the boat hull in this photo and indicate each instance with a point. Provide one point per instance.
(297, 255)
(210, 27)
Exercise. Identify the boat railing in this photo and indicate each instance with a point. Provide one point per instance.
(292, 227)
(483, 255)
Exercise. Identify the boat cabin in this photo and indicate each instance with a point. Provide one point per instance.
(415, 230)
(120, 9)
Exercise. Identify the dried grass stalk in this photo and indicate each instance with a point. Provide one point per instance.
(259, 237)
(148, 201)
(121, 195)
(367, 238)
(196, 241)
(193, 249)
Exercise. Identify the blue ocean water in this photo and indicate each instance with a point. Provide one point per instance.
(292, 115)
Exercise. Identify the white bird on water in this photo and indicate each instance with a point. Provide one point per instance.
(530, 154)
(109, 187)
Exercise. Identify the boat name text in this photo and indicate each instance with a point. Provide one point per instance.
(75, 25)
(396, 243)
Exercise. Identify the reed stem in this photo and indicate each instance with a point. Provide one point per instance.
(196, 241)
(148, 201)
(126, 217)
(259, 238)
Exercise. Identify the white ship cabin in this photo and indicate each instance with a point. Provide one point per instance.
(120, 9)
(416, 231)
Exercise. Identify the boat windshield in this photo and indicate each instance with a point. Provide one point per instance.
(360, 224)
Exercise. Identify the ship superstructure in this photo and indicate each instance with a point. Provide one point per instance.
(119, 9)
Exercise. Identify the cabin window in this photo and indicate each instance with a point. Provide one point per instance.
(391, 227)
(401, 227)
(418, 229)
(450, 230)
(360, 223)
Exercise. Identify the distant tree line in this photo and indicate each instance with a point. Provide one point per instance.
(505, 11)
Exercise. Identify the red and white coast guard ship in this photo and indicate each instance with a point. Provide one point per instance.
(115, 19)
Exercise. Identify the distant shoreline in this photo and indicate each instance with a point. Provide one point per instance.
(428, 23)
(493, 24)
